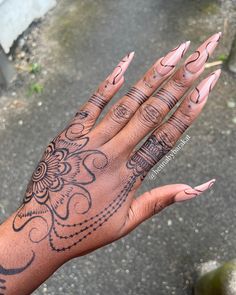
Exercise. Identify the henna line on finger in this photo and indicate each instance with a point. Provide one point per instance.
(167, 97)
(178, 124)
(137, 95)
(98, 101)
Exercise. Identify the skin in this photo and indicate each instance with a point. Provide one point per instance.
(82, 193)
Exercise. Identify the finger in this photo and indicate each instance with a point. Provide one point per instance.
(151, 113)
(86, 117)
(163, 139)
(124, 109)
(154, 201)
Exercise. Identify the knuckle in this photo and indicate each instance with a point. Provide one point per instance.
(167, 138)
(149, 115)
(121, 113)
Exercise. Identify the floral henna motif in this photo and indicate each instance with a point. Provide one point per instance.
(59, 181)
(61, 177)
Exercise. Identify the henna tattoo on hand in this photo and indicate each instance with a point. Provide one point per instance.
(178, 124)
(121, 112)
(167, 97)
(149, 154)
(12, 271)
(152, 116)
(137, 95)
(2, 286)
(98, 101)
(59, 180)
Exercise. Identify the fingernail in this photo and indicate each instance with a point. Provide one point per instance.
(195, 61)
(193, 192)
(202, 91)
(169, 61)
(120, 69)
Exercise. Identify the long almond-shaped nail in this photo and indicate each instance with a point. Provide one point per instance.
(170, 60)
(193, 192)
(197, 60)
(202, 91)
(120, 69)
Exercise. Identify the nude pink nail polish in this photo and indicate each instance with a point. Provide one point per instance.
(120, 69)
(202, 91)
(197, 60)
(169, 61)
(193, 192)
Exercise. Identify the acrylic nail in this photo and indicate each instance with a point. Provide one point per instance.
(197, 60)
(169, 61)
(120, 69)
(202, 91)
(190, 193)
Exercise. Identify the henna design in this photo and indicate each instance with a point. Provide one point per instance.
(2, 286)
(167, 97)
(137, 95)
(121, 112)
(82, 114)
(90, 225)
(151, 114)
(178, 124)
(98, 101)
(13, 271)
(149, 154)
(58, 186)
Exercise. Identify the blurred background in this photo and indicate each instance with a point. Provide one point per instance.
(56, 63)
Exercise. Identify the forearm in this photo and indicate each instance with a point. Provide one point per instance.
(24, 265)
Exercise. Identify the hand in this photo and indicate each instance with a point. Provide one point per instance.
(82, 193)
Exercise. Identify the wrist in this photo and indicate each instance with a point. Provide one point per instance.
(21, 259)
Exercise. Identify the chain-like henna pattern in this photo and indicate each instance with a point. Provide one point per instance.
(102, 217)
(53, 187)
(137, 95)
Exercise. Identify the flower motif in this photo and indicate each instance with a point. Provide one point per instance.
(48, 175)
(58, 184)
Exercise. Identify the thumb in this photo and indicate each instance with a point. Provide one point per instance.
(157, 199)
